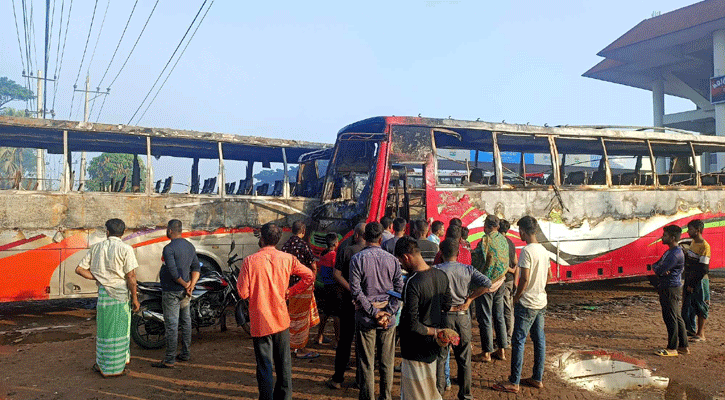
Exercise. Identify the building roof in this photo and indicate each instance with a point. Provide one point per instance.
(677, 45)
(668, 23)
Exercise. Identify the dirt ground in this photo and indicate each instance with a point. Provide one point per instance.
(47, 349)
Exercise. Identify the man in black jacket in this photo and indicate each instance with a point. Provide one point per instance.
(426, 300)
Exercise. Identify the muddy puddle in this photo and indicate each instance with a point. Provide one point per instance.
(40, 335)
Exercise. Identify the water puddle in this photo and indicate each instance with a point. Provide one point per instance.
(40, 335)
(607, 372)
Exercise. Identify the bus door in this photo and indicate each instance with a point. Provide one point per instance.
(411, 165)
(407, 192)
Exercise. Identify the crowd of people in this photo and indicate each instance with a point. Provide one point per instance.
(381, 287)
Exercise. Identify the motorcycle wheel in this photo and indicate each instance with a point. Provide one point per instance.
(241, 314)
(148, 333)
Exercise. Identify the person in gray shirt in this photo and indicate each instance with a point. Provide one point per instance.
(460, 278)
(398, 232)
(179, 273)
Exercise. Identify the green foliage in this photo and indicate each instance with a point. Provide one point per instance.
(11, 91)
(112, 165)
(12, 112)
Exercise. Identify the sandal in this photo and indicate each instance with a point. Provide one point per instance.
(696, 339)
(307, 356)
(505, 387)
(533, 383)
(666, 353)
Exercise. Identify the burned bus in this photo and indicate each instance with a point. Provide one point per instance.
(601, 194)
(61, 180)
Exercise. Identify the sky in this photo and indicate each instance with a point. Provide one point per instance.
(303, 70)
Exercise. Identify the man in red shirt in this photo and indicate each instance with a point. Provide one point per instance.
(464, 254)
(264, 280)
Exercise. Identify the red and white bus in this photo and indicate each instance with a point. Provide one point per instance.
(601, 195)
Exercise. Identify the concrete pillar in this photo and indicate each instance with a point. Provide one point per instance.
(718, 66)
(658, 111)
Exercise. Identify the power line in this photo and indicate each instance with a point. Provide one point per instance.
(65, 37)
(80, 67)
(32, 37)
(17, 29)
(28, 59)
(168, 62)
(117, 46)
(98, 39)
(177, 61)
(134, 45)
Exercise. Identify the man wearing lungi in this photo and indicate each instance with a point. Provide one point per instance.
(112, 263)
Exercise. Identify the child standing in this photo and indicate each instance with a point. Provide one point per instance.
(326, 295)
(669, 270)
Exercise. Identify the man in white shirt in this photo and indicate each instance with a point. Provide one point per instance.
(112, 264)
(529, 309)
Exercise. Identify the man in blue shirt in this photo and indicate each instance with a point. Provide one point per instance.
(373, 273)
(669, 270)
(179, 273)
(461, 277)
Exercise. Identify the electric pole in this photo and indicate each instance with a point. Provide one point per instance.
(47, 19)
(98, 93)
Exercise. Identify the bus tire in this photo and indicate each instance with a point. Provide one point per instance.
(148, 333)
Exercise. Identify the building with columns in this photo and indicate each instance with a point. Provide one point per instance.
(677, 53)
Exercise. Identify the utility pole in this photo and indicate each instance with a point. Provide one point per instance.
(47, 20)
(98, 93)
(40, 113)
(40, 157)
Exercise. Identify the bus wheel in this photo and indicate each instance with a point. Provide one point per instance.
(146, 332)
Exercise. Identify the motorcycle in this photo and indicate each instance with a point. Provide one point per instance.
(212, 294)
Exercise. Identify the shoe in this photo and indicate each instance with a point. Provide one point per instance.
(307, 356)
(182, 359)
(332, 384)
(162, 364)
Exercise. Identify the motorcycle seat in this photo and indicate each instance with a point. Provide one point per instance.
(150, 285)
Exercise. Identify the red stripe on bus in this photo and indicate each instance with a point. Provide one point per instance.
(20, 242)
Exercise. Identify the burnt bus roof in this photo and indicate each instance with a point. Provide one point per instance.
(471, 131)
(85, 136)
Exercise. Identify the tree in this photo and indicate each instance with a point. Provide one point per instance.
(15, 162)
(107, 166)
(11, 91)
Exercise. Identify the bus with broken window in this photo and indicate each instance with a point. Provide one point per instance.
(61, 180)
(601, 194)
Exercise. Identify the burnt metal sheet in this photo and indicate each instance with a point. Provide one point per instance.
(48, 134)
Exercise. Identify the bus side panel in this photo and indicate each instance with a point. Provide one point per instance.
(33, 273)
(71, 283)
